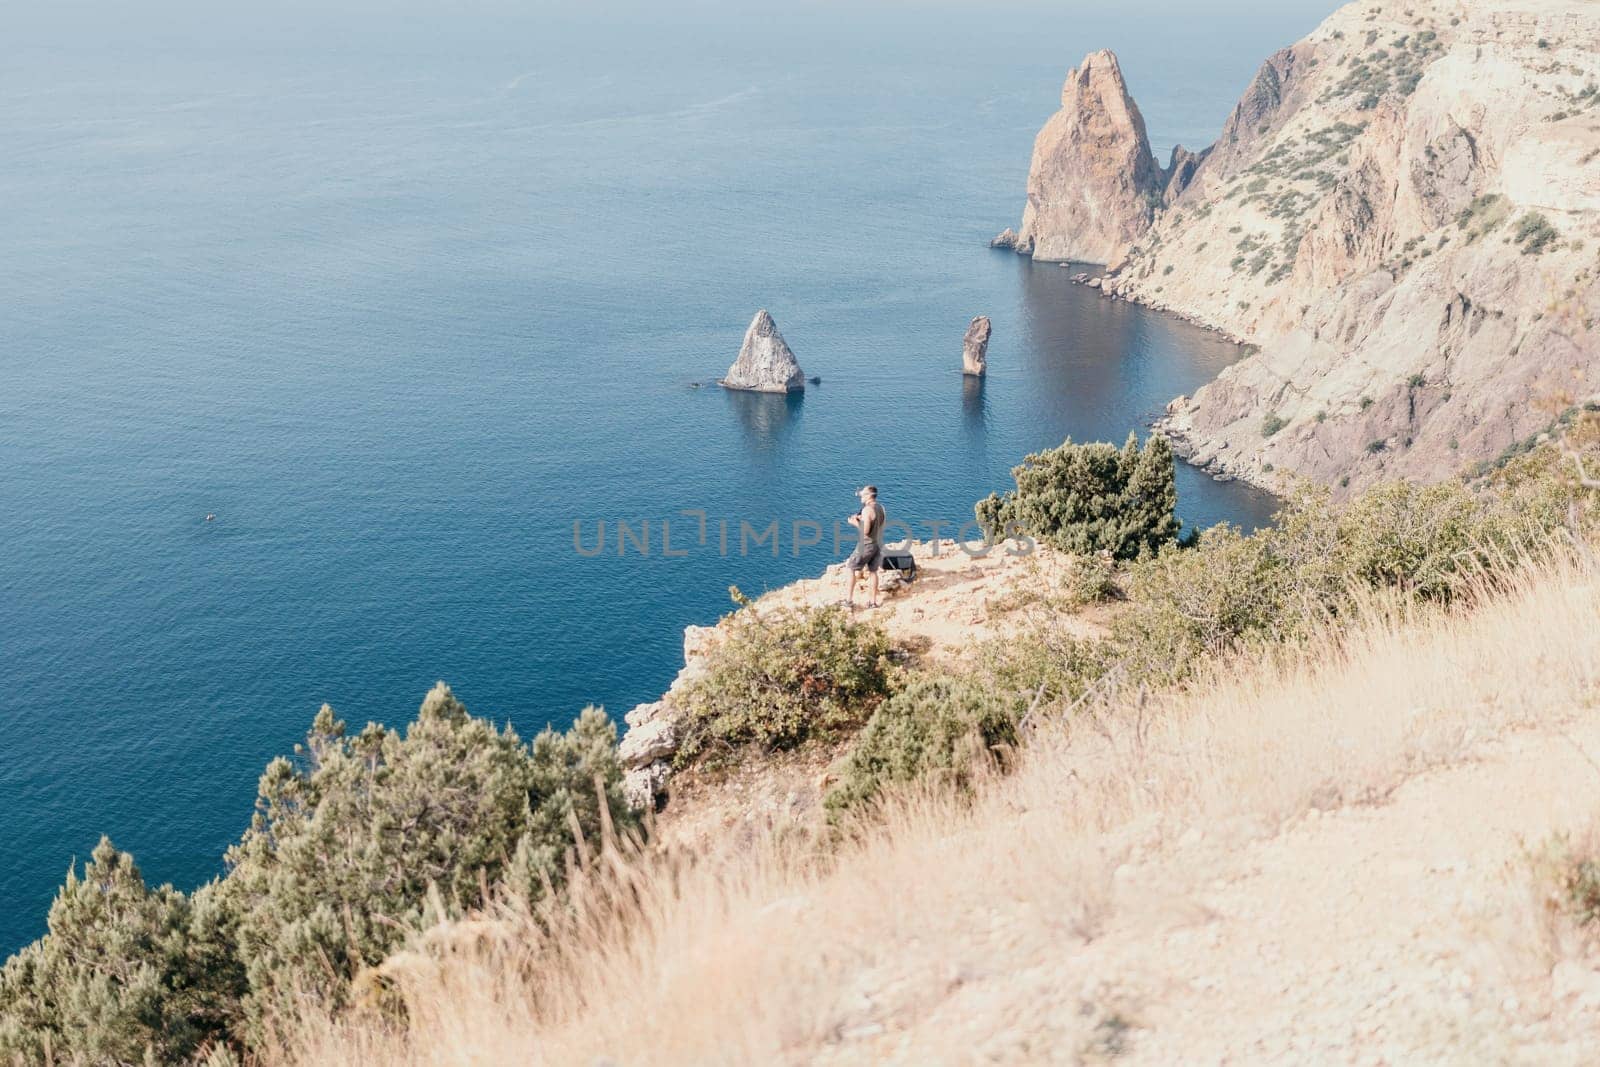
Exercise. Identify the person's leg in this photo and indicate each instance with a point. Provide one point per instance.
(849, 585)
(874, 580)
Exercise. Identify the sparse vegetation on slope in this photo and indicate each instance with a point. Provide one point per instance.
(1169, 835)
(363, 839)
(937, 730)
(778, 681)
(356, 840)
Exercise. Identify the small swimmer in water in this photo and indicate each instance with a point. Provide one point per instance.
(210, 517)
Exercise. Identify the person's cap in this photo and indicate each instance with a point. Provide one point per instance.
(868, 489)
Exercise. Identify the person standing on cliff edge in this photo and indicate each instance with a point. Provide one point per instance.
(868, 555)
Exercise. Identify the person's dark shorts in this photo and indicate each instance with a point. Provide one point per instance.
(867, 557)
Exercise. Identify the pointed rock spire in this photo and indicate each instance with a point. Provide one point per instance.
(1094, 184)
(975, 347)
(765, 364)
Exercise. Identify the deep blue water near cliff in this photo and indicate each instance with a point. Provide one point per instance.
(401, 304)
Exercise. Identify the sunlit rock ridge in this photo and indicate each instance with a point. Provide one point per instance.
(1403, 214)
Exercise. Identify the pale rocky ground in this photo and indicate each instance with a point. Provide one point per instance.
(1424, 936)
(957, 601)
(1402, 930)
(1393, 919)
(1326, 227)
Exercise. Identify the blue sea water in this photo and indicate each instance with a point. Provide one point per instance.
(399, 294)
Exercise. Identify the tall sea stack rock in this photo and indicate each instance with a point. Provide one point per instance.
(975, 347)
(1094, 185)
(1400, 216)
(765, 364)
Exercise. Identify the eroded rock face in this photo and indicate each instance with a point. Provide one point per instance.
(648, 742)
(699, 640)
(975, 347)
(645, 713)
(655, 728)
(765, 363)
(1093, 186)
(642, 785)
(1181, 171)
(1401, 217)
(1006, 238)
(1253, 118)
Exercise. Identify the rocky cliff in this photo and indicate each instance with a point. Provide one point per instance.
(975, 347)
(1402, 215)
(1093, 186)
(765, 364)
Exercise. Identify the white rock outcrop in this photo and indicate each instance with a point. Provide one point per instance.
(654, 728)
(1006, 238)
(975, 347)
(765, 363)
(648, 742)
(642, 786)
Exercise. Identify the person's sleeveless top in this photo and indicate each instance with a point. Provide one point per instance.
(879, 517)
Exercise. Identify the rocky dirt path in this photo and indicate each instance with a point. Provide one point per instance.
(1402, 932)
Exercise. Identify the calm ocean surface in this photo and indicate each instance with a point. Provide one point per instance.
(399, 297)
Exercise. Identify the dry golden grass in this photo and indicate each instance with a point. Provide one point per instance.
(947, 932)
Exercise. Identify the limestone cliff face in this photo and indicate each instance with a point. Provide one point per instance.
(1094, 186)
(1403, 215)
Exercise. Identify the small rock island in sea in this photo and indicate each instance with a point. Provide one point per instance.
(765, 364)
(975, 347)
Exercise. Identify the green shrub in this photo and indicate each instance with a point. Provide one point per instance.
(1418, 539)
(126, 973)
(1091, 498)
(1483, 215)
(781, 679)
(1230, 590)
(1579, 889)
(1534, 233)
(1044, 660)
(347, 841)
(350, 835)
(1093, 580)
(1190, 603)
(938, 727)
(1271, 424)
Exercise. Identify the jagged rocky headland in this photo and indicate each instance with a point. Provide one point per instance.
(1401, 215)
